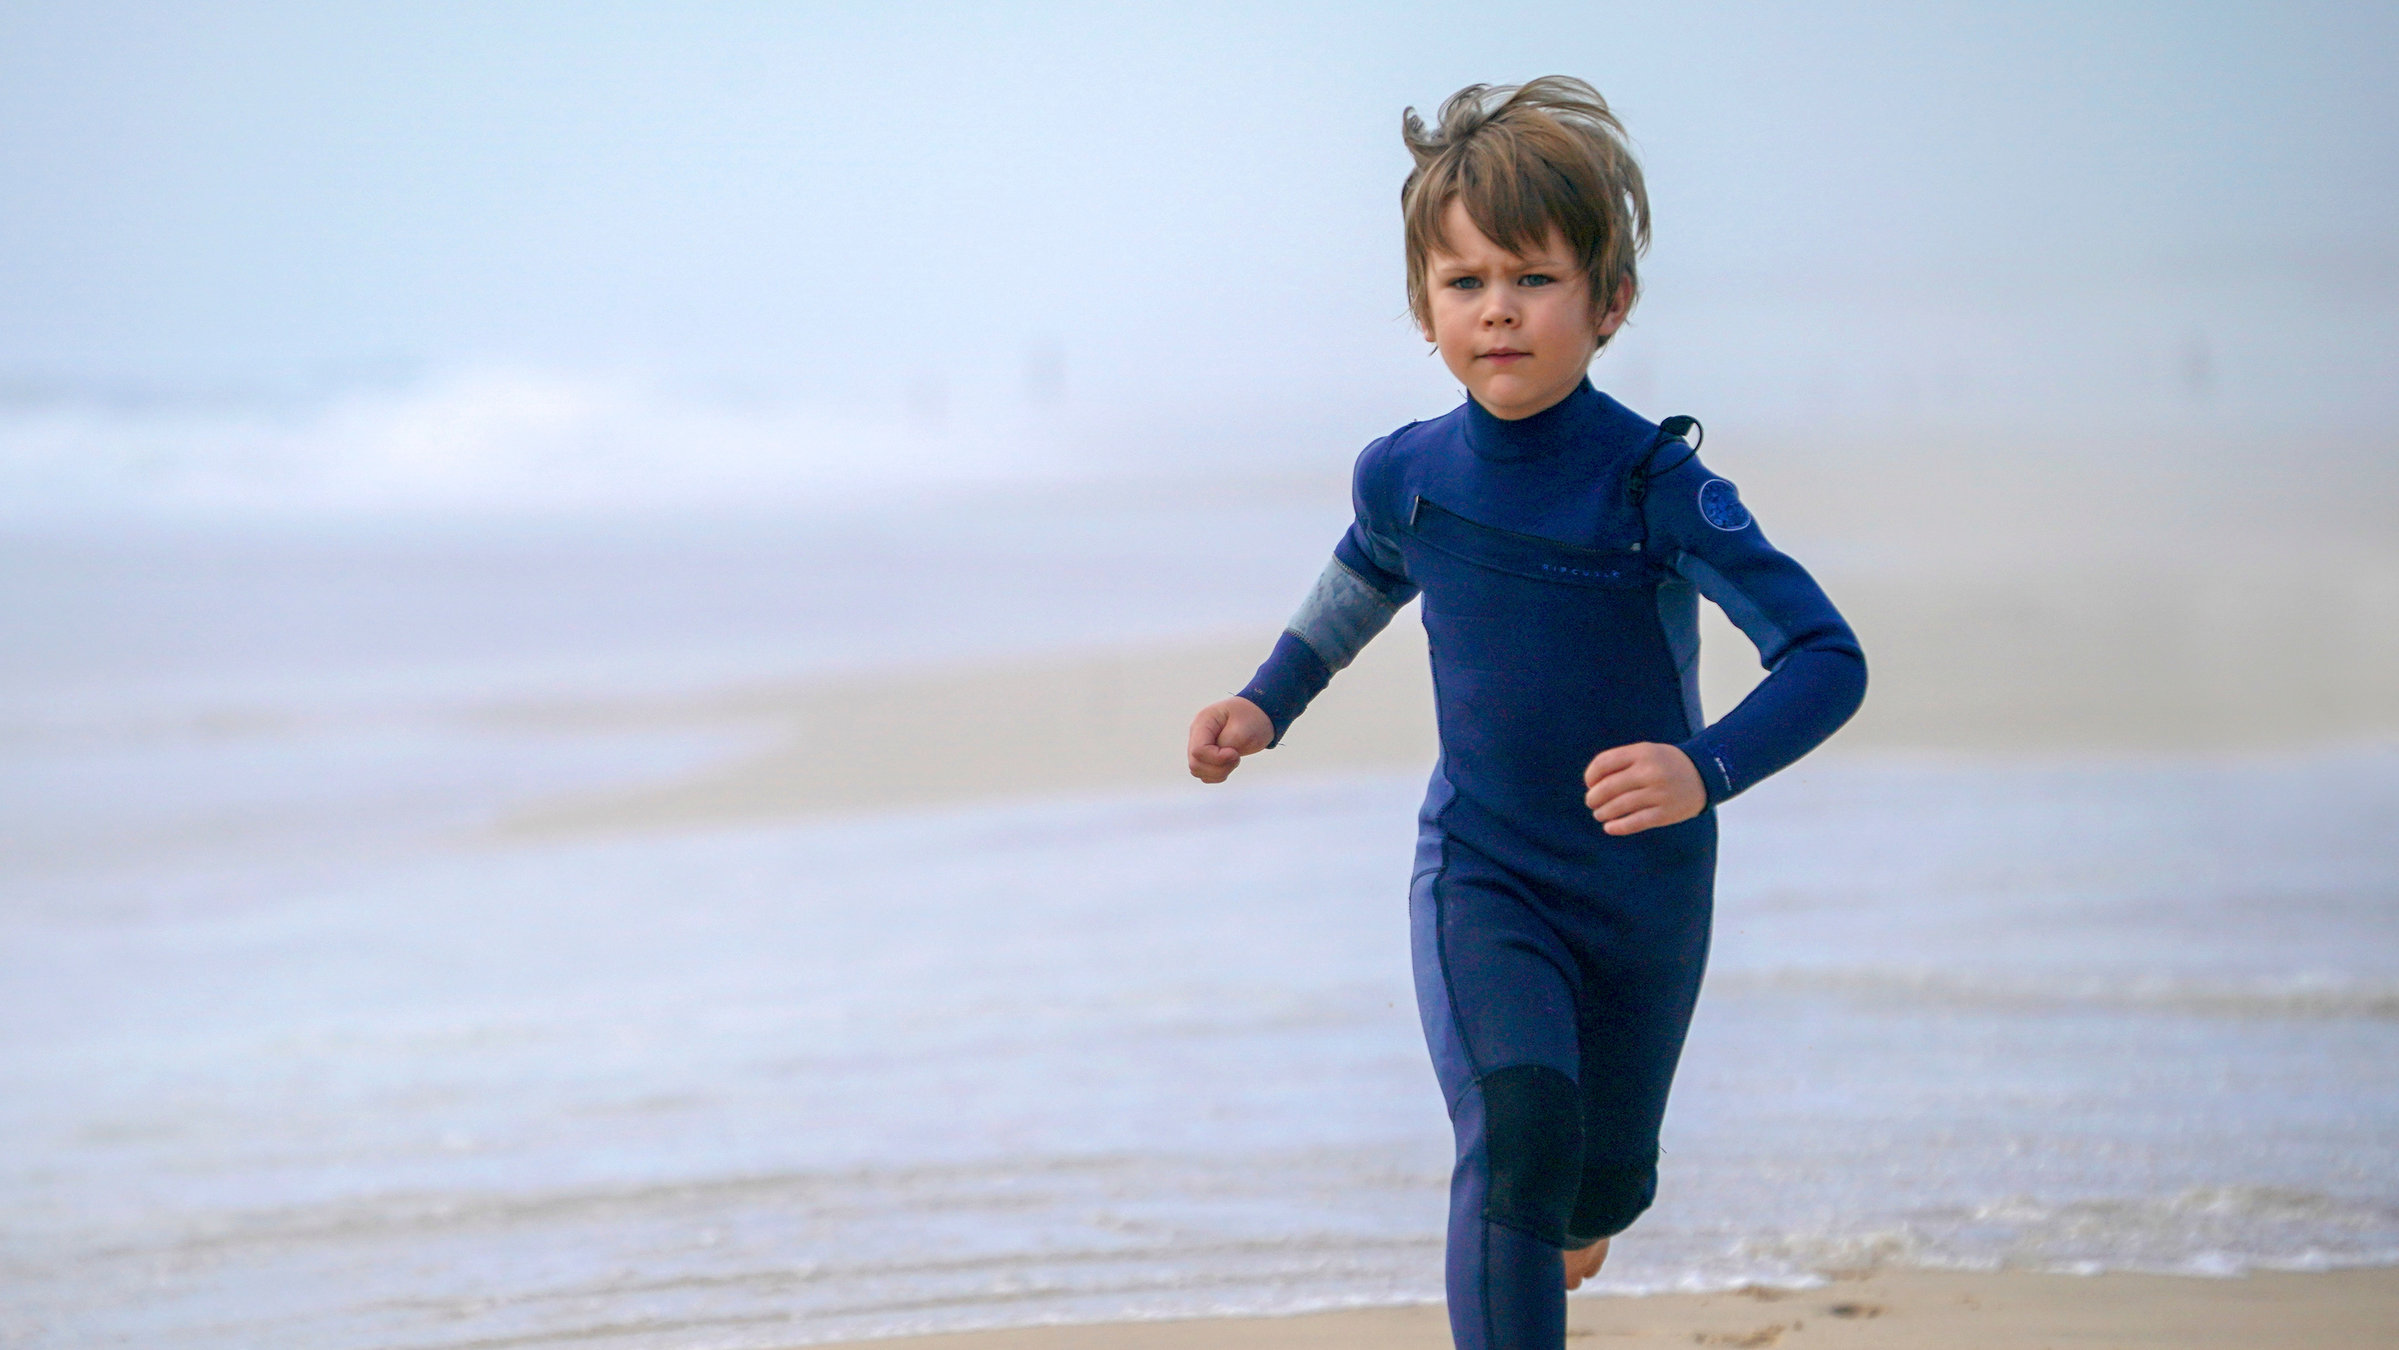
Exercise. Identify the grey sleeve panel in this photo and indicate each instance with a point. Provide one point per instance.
(1745, 613)
(1340, 616)
(1678, 616)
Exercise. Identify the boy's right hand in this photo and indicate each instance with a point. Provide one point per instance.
(1222, 733)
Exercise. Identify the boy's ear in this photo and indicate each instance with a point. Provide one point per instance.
(1619, 305)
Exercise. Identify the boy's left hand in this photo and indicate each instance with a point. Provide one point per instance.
(1640, 787)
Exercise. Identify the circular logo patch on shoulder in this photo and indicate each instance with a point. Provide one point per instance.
(1720, 505)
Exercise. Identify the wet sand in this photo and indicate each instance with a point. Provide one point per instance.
(1882, 1311)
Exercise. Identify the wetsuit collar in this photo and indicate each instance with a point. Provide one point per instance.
(1572, 418)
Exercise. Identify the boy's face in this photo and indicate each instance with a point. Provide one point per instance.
(1517, 330)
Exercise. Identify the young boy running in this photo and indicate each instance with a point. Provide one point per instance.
(1566, 855)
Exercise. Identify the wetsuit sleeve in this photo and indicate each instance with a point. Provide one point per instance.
(1353, 599)
(1816, 671)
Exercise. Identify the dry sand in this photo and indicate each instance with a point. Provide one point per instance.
(2067, 597)
(2177, 660)
(2351, 1310)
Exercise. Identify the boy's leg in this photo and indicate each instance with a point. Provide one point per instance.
(1637, 998)
(1496, 988)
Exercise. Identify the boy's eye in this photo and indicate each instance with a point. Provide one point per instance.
(1535, 279)
(1466, 283)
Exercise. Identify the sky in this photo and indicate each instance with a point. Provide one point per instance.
(1171, 215)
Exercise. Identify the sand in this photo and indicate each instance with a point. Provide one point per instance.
(2043, 597)
(2122, 625)
(2196, 660)
(1881, 1311)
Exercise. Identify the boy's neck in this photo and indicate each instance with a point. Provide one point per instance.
(1534, 435)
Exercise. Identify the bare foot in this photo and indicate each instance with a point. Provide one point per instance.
(1582, 1265)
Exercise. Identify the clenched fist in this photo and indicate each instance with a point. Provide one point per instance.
(1640, 787)
(1222, 733)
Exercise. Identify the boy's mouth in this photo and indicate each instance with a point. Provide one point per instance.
(1505, 355)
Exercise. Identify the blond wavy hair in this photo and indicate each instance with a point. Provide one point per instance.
(1527, 158)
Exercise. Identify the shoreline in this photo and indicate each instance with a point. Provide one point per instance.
(1879, 1310)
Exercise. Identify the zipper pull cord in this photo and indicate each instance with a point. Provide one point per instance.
(1674, 429)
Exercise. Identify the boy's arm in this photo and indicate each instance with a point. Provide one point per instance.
(1816, 670)
(1361, 588)
(1354, 599)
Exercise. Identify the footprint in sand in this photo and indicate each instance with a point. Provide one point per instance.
(1855, 1310)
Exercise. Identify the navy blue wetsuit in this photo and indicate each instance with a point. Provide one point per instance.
(1561, 558)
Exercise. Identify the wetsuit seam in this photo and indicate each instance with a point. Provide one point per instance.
(1353, 575)
(1666, 642)
(1302, 639)
(1449, 989)
(1497, 1222)
(1490, 1331)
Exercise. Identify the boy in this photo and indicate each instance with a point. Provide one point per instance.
(1566, 855)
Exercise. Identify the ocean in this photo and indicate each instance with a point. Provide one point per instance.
(300, 1045)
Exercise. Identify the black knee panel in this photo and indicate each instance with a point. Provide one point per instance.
(1533, 1137)
(1609, 1198)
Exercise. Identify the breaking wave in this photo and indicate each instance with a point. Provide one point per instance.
(485, 440)
(2217, 1231)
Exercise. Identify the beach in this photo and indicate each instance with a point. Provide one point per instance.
(2002, 1311)
(724, 934)
(600, 609)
